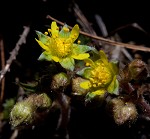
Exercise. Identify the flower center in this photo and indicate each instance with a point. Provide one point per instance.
(61, 47)
(100, 76)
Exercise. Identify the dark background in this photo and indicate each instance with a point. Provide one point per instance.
(87, 124)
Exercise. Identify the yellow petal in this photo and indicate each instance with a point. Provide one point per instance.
(103, 57)
(89, 62)
(99, 92)
(54, 29)
(114, 86)
(42, 45)
(80, 56)
(74, 33)
(85, 84)
(55, 58)
(114, 67)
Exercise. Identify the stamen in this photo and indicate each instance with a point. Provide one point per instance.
(66, 29)
(46, 33)
(79, 42)
(101, 75)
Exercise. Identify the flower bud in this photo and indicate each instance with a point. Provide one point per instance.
(30, 110)
(138, 69)
(42, 101)
(21, 114)
(77, 90)
(60, 80)
(123, 112)
(135, 70)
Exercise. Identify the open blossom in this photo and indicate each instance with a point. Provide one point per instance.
(59, 46)
(100, 75)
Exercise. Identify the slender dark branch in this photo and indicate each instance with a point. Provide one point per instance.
(2, 65)
(107, 41)
(15, 52)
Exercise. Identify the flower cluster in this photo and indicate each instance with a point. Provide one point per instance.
(60, 46)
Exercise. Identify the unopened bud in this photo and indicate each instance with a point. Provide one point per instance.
(29, 110)
(42, 101)
(77, 90)
(123, 112)
(138, 69)
(60, 80)
(21, 114)
(135, 70)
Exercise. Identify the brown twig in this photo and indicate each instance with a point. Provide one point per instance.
(134, 25)
(86, 25)
(15, 52)
(106, 41)
(82, 20)
(2, 65)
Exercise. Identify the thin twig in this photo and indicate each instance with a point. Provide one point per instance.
(86, 25)
(14, 134)
(117, 51)
(106, 41)
(15, 51)
(82, 20)
(101, 25)
(134, 25)
(2, 65)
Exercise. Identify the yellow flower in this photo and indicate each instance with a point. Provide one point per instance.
(101, 75)
(59, 46)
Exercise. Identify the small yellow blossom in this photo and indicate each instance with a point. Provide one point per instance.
(59, 46)
(101, 75)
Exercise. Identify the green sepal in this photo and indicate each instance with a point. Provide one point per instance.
(79, 49)
(89, 97)
(68, 63)
(63, 33)
(114, 67)
(114, 86)
(45, 56)
(94, 99)
(85, 72)
(43, 38)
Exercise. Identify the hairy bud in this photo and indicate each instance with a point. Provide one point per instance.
(60, 80)
(76, 88)
(30, 110)
(123, 112)
(21, 114)
(136, 70)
